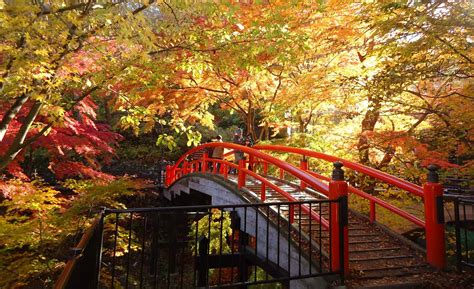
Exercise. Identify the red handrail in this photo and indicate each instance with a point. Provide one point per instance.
(414, 219)
(363, 169)
(298, 173)
(402, 184)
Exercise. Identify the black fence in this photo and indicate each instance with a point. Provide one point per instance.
(82, 269)
(228, 246)
(464, 228)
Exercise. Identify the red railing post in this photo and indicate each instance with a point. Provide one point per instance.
(167, 175)
(214, 167)
(263, 188)
(282, 174)
(304, 167)
(434, 219)
(184, 170)
(251, 162)
(170, 175)
(263, 192)
(241, 174)
(372, 211)
(338, 221)
(204, 163)
(225, 170)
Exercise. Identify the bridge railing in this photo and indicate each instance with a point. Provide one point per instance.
(463, 209)
(431, 193)
(183, 166)
(336, 189)
(82, 269)
(209, 246)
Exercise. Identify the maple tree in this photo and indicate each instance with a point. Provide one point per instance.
(388, 84)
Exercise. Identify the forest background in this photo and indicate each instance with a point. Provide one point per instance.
(88, 85)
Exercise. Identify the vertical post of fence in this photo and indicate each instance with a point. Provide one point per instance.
(434, 219)
(291, 213)
(263, 188)
(457, 225)
(263, 192)
(168, 175)
(204, 162)
(282, 174)
(340, 244)
(304, 167)
(372, 211)
(251, 162)
(184, 170)
(172, 173)
(225, 170)
(241, 174)
(203, 262)
(99, 239)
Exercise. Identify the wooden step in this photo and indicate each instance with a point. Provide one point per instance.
(364, 241)
(364, 235)
(380, 258)
(374, 250)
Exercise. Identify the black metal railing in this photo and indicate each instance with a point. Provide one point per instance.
(464, 229)
(211, 246)
(82, 269)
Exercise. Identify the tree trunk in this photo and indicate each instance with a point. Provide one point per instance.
(11, 113)
(368, 125)
(17, 145)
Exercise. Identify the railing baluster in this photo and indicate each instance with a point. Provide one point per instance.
(145, 219)
(320, 242)
(310, 245)
(466, 242)
(129, 249)
(267, 240)
(220, 246)
(289, 247)
(299, 240)
(196, 233)
(256, 238)
(156, 248)
(372, 211)
(115, 250)
(278, 235)
(209, 222)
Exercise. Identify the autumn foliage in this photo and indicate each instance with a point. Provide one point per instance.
(385, 83)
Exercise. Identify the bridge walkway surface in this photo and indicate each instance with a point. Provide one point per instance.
(377, 256)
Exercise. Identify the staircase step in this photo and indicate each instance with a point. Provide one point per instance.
(410, 285)
(357, 229)
(364, 241)
(397, 267)
(380, 258)
(363, 235)
(374, 250)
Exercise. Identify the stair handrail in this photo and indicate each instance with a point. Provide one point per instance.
(387, 178)
(363, 169)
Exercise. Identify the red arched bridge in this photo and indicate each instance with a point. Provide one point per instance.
(261, 220)
(368, 251)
